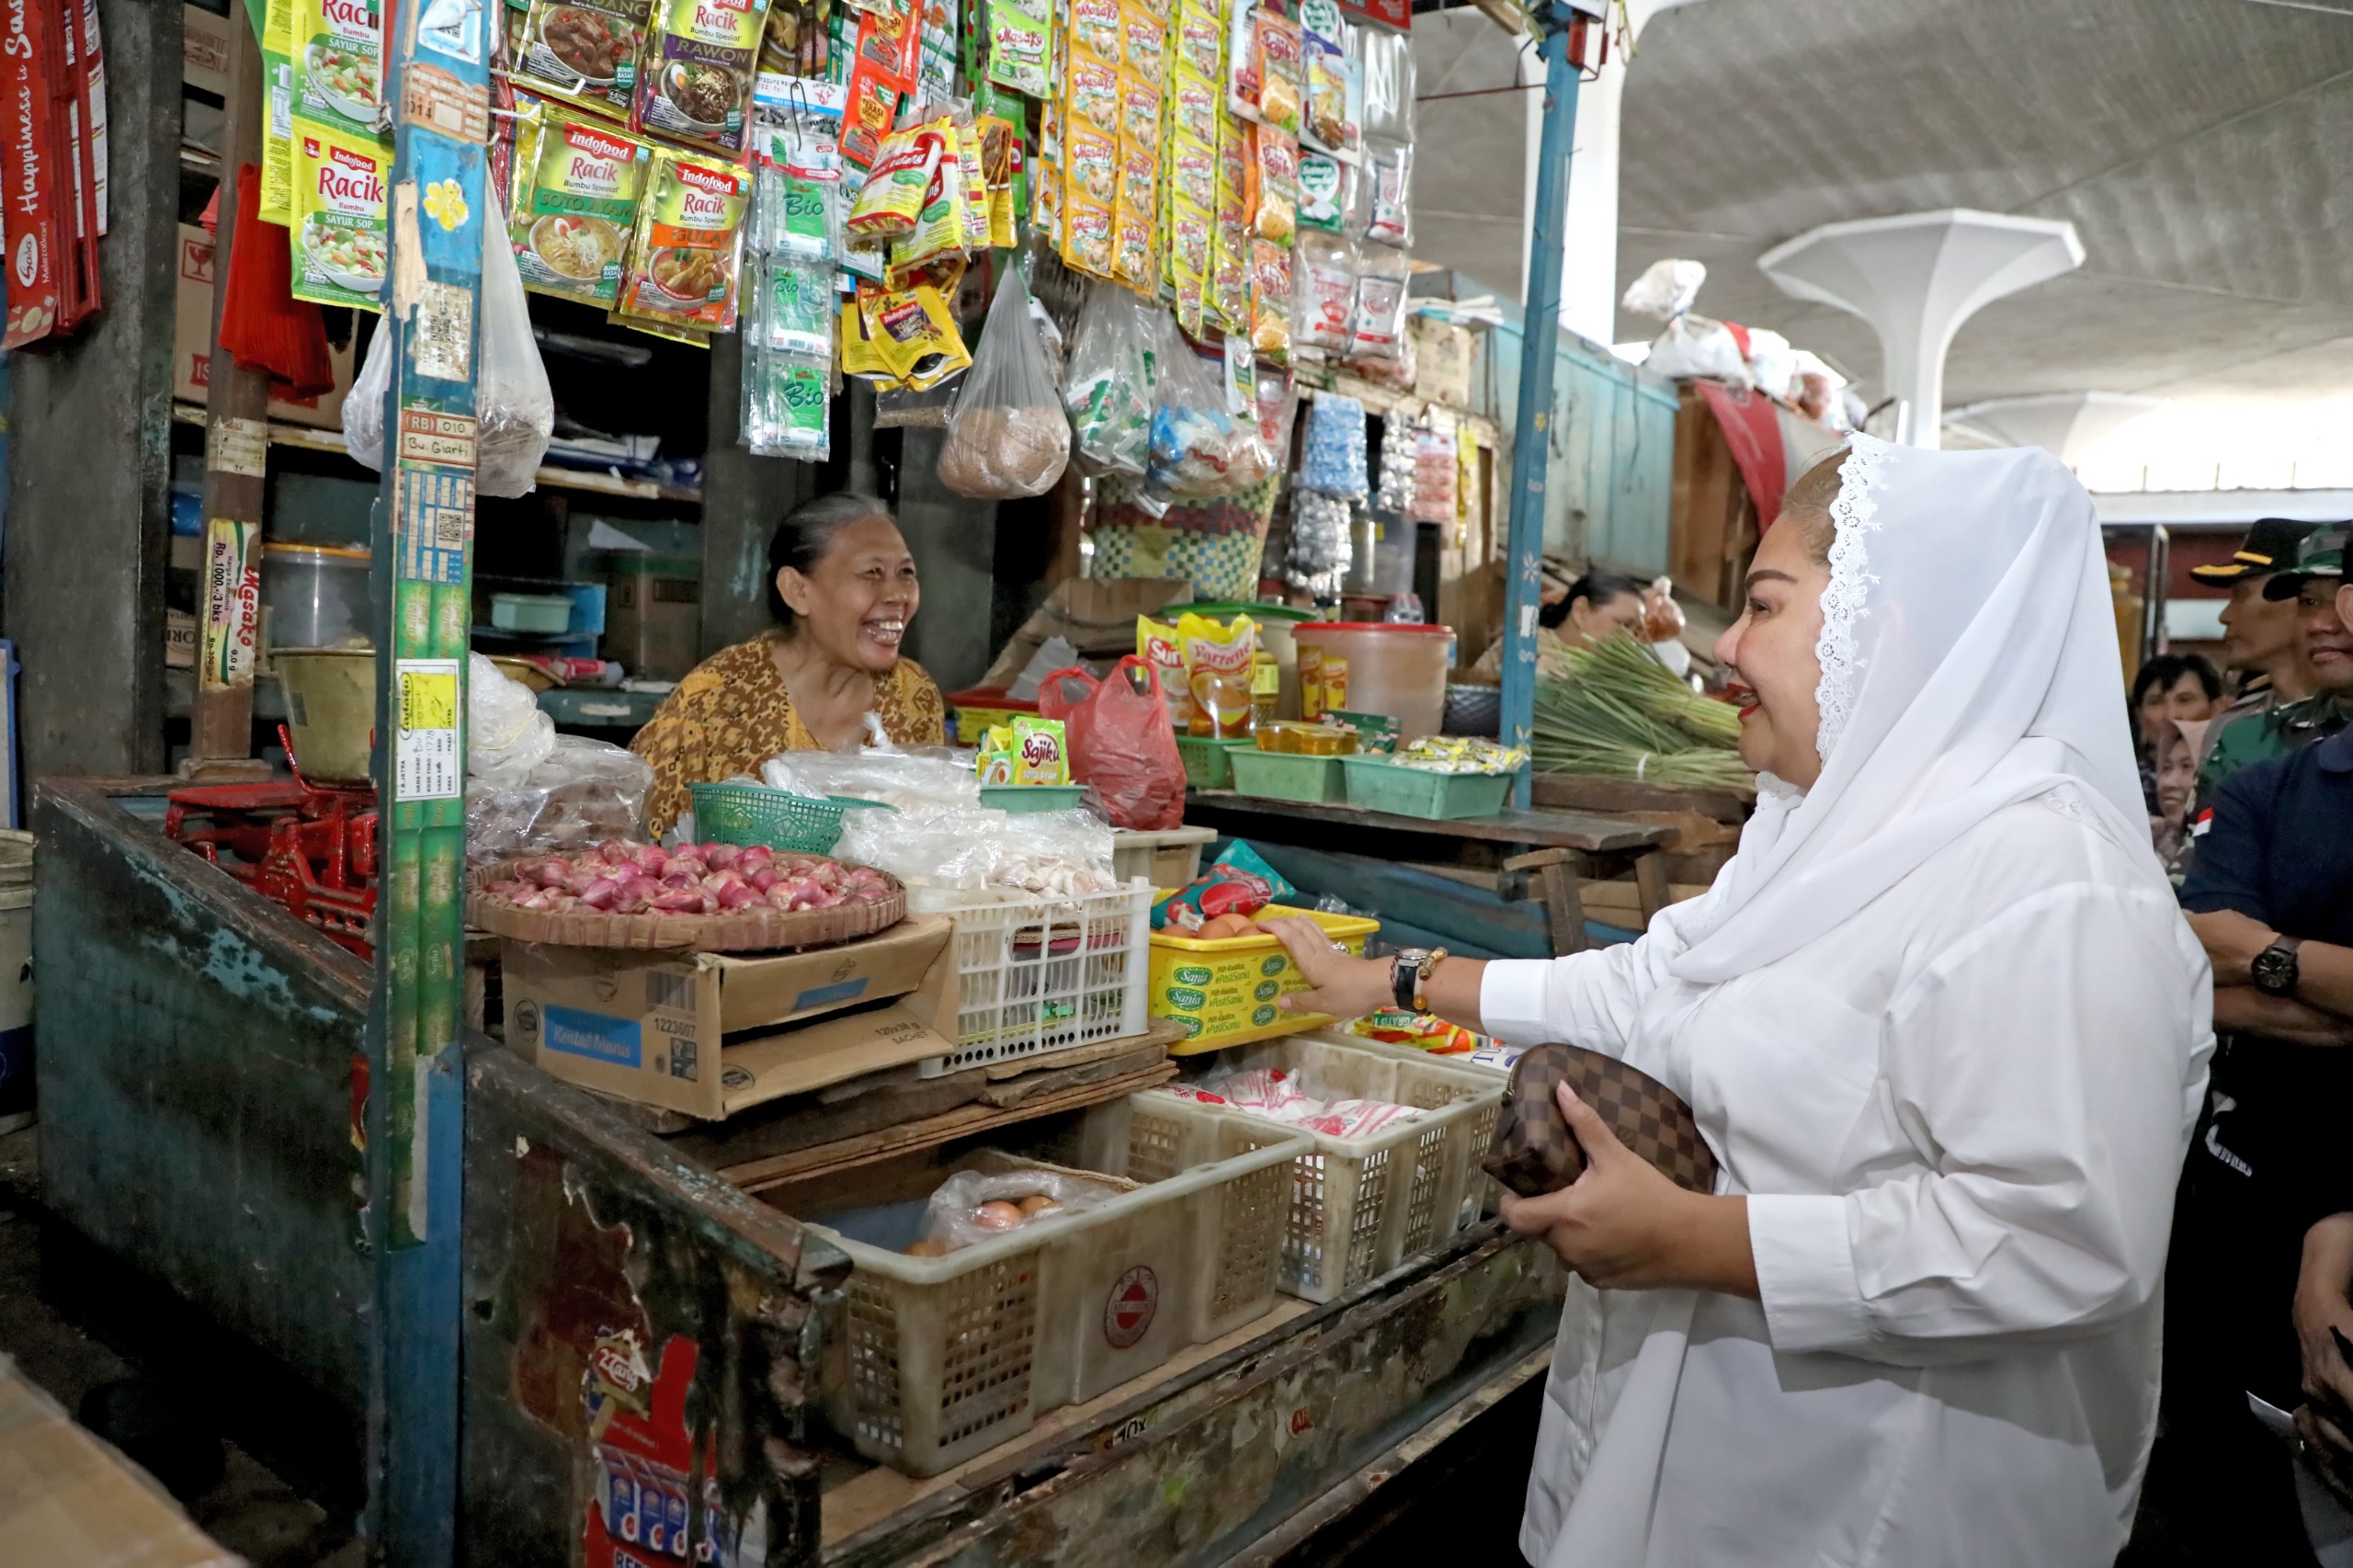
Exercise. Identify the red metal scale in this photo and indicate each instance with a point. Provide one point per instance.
(308, 846)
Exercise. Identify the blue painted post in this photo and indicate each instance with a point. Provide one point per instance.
(437, 87)
(1532, 430)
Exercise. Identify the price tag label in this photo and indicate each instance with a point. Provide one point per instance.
(428, 750)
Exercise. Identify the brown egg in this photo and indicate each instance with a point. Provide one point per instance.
(927, 1248)
(1225, 925)
(996, 1215)
(1039, 1203)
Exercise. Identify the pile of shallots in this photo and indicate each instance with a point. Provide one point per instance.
(620, 878)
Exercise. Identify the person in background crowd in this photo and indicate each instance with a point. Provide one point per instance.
(2271, 899)
(2273, 714)
(2170, 687)
(1596, 605)
(2176, 765)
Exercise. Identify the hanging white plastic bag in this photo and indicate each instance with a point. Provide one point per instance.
(1008, 437)
(1107, 385)
(1667, 287)
(514, 410)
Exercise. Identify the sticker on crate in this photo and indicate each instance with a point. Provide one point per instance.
(1129, 1310)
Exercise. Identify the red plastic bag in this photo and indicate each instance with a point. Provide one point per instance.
(1121, 742)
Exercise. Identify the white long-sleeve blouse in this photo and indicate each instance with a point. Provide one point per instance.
(1958, 1118)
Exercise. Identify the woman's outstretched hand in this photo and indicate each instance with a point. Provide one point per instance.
(1622, 1225)
(1338, 983)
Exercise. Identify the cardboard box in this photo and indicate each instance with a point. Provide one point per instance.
(710, 1034)
(67, 1497)
(1442, 361)
(192, 344)
(206, 44)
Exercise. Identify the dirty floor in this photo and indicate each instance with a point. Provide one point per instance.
(235, 1498)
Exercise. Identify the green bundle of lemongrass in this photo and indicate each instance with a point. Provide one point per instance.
(1620, 713)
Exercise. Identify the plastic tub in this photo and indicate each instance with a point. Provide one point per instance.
(1167, 858)
(312, 596)
(1399, 670)
(941, 1358)
(1024, 799)
(1362, 1206)
(1222, 993)
(1039, 973)
(1288, 776)
(331, 710)
(550, 613)
(1205, 760)
(1381, 786)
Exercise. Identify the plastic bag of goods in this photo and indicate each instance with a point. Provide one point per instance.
(1054, 854)
(580, 792)
(977, 1206)
(1667, 288)
(1332, 461)
(1108, 386)
(1121, 742)
(507, 733)
(918, 780)
(1199, 452)
(1008, 436)
(1695, 347)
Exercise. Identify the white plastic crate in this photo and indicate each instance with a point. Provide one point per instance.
(1166, 857)
(1485, 1194)
(1362, 1206)
(943, 1357)
(1038, 972)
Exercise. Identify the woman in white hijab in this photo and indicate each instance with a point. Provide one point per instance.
(1947, 1034)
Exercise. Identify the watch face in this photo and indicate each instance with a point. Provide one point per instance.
(2275, 969)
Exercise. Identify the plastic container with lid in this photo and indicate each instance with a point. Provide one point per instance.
(314, 595)
(1399, 670)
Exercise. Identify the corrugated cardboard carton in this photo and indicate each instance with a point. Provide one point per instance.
(710, 1034)
(192, 343)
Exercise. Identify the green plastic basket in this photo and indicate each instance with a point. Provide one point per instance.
(1205, 760)
(1381, 786)
(1023, 799)
(754, 813)
(1285, 776)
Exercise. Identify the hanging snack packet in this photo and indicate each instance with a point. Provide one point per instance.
(1243, 78)
(577, 182)
(1279, 90)
(796, 310)
(1020, 45)
(1094, 93)
(1139, 180)
(1377, 327)
(337, 241)
(1195, 117)
(1274, 176)
(906, 167)
(939, 222)
(1326, 272)
(785, 405)
(1334, 92)
(1000, 145)
(1094, 165)
(1389, 181)
(869, 106)
(973, 184)
(1140, 113)
(1144, 44)
(1200, 40)
(278, 98)
(701, 57)
(584, 52)
(1087, 235)
(1157, 645)
(1097, 26)
(682, 266)
(914, 333)
(1270, 299)
(336, 50)
(1321, 198)
(1132, 253)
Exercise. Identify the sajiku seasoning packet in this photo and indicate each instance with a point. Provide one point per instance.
(577, 182)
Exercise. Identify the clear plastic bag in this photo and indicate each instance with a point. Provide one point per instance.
(1055, 854)
(514, 410)
(1667, 287)
(1008, 436)
(977, 1206)
(1199, 452)
(1696, 347)
(507, 735)
(1107, 388)
(581, 792)
(926, 780)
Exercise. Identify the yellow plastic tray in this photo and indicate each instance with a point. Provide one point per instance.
(1223, 992)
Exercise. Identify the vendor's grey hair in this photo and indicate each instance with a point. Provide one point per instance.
(806, 536)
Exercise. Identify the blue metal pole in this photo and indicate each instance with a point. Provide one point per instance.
(1531, 439)
(436, 55)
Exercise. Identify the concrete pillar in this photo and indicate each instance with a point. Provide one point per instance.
(89, 469)
(1915, 278)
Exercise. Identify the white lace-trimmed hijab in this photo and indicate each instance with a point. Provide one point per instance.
(1969, 662)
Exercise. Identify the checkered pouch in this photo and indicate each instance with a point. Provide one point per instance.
(1535, 1152)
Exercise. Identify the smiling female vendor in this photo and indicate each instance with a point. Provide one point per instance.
(842, 592)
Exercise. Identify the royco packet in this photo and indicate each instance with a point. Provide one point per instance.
(335, 50)
(577, 181)
(701, 58)
(337, 245)
(905, 169)
(682, 266)
(584, 52)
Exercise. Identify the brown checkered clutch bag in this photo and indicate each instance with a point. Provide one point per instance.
(1534, 1151)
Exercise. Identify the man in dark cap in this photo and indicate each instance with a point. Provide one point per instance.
(2276, 710)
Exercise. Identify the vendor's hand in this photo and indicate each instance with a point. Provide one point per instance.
(1622, 1225)
(1338, 983)
(2232, 940)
